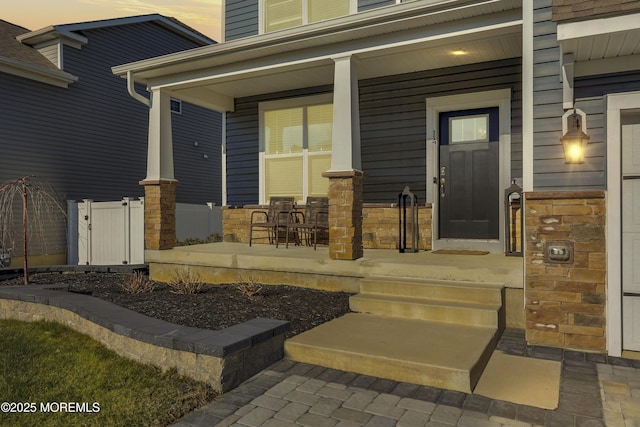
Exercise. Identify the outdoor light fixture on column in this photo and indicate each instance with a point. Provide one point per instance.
(574, 140)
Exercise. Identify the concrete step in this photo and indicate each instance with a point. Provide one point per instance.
(473, 292)
(443, 355)
(463, 313)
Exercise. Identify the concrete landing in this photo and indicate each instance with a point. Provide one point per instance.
(437, 354)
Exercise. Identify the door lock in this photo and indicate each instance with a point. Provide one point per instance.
(443, 173)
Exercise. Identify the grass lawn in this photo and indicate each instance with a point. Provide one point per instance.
(45, 365)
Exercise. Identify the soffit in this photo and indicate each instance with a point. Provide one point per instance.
(595, 40)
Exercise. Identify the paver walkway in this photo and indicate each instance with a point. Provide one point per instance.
(595, 390)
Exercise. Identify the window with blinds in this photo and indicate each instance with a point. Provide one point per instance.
(283, 14)
(297, 150)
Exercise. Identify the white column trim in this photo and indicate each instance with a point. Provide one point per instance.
(160, 144)
(527, 95)
(345, 149)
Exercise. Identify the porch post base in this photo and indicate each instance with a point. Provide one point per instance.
(159, 214)
(345, 214)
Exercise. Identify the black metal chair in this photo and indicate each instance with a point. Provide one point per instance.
(307, 226)
(272, 221)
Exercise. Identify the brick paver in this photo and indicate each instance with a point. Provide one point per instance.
(594, 390)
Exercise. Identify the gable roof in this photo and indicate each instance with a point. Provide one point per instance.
(70, 30)
(19, 56)
(22, 60)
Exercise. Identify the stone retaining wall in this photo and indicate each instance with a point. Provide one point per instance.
(223, 359)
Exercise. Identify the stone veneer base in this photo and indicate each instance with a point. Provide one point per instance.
(223, 358)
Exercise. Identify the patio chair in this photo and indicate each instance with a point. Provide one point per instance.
(308, 225)
(273, 221)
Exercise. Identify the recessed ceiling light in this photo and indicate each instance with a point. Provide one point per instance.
(459, 52)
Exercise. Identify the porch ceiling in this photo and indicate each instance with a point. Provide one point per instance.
(416, 36)
(602, 45)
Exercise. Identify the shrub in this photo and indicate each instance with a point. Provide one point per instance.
(138, 283)
(249, 288)
(185, 282)
(198, 241)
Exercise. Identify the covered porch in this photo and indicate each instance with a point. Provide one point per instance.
(332, 60)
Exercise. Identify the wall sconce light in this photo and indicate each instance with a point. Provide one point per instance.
(574, 140)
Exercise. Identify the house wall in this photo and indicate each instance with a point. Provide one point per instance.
(90, 140)
(550, 171)
(393, 122)
(392, 128)
(240, 19)
(566, 302)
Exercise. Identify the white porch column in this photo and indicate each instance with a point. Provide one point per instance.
(160, 184)
(160, 148)
(527, 95)
(345, 176)
(345, 154)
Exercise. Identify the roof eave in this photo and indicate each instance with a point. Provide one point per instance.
(344, 24)
(21, 69)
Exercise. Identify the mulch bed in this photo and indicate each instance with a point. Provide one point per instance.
(219, 306)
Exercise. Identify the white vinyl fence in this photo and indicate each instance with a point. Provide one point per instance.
(112, 233)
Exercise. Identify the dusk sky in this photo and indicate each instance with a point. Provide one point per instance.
(203, 15)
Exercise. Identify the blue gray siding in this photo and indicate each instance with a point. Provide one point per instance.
(550, 171)
(90, 140)
(240, 19)
(393, 128)
(393, 122)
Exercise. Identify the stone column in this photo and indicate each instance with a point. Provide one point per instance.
(345, 214)
(159, 214)
(566, 298)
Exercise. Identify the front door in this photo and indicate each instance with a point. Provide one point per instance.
(468, 175)
(631, 230)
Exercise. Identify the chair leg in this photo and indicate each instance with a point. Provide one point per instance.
(250, 235)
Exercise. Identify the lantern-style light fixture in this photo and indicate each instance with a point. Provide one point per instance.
(574, 141)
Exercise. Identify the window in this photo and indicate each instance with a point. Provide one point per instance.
(295, 149)
(282, 14)
(469, 128)
(176, 106)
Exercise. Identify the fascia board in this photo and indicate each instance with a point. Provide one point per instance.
(595, 27)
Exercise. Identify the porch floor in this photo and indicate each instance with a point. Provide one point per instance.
(269, 263)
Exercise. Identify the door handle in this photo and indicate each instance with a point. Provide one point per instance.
(443, 173)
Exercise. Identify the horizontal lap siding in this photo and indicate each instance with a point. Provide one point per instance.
(241, 19)
(90, 140)
(550, 171)
(393, 122)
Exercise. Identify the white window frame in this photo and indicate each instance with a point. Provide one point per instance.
(281, 104)
(353, 9)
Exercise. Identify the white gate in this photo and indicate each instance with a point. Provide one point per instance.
(111, 233)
